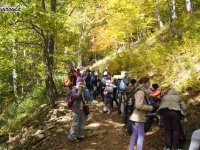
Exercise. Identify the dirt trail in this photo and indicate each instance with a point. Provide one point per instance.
(102, 131)
(106, 132)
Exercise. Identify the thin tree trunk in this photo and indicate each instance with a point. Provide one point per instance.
(14, 72)
(43, 5)
(169, 15)
(80, 58)
(188, 6)
(174, 9)
(82, 28)
(95, 57)
(158, 16)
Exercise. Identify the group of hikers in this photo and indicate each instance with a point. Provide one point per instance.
(138, 103)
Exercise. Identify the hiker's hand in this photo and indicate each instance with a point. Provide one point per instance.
(79, 84)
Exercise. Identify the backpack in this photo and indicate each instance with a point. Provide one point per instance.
(129, 105)
(122, 85)
(92, 79)
(87, 93)
(109, 90)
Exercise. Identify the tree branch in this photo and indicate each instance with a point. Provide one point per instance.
(72, 11)
(24, 3)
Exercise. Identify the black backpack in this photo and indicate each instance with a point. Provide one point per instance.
(129, 105)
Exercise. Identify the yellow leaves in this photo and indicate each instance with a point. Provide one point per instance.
(102, 38)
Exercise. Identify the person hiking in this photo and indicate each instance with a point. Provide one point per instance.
(122, 84)
(129, 104)
(78, 115)
(98, 74)
(104, 78)
(87, 79)
(195, 140)
(93, 82)
(155, 95)
(138, 116)
(172, 109)
(108, 92)
(114, 83)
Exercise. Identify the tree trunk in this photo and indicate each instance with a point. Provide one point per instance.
(48, 61)
(174, 9)
(169, 14)
(95, 57)
(14, 72)
(48, 52)
(158, 15)
(80, 58)
(188, 6)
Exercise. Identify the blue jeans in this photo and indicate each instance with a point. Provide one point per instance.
(137, 135)
(195, 141)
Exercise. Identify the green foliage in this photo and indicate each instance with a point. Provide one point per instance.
(14, 116)
(168, 56)
(32, 100)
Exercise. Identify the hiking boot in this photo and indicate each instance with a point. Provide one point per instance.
(72, 140)
(81, 138)
(105, 111)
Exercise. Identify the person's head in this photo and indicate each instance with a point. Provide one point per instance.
(78, 72)
(73, 72)
(155, 86)
(145, 81)
(133, 81)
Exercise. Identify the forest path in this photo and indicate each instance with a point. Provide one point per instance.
(102, 131)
